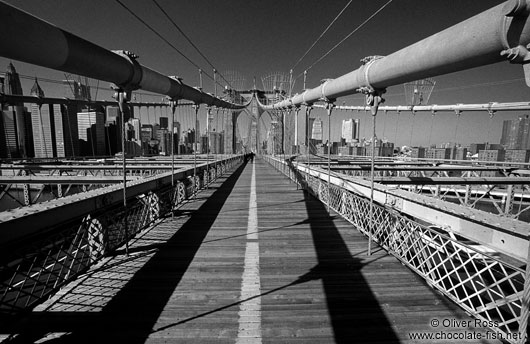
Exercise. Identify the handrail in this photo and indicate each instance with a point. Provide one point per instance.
(21, 222)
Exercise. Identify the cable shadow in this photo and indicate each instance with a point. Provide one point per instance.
(355, 313)
(130, 315)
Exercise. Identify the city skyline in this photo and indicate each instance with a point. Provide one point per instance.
(410, 22)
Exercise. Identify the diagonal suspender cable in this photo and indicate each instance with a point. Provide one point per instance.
(345, 38)
(160, 36)
(321, 35)
(190, 41)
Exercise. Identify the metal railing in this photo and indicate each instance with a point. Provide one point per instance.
(37, 261)
(508, 195)
(485, 286)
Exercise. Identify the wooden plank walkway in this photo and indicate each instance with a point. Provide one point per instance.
(307, 279)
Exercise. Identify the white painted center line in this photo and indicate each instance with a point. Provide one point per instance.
(250, 306)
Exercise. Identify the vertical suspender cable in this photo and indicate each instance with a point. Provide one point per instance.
(195, 151)
(372, 170)
(172, 103)
(121, 103)
(330, 107)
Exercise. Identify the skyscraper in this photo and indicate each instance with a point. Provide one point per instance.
(516, 133)
(70, 133)
(135, 122)
(316, 133)
(9, 132)
(44, 137)
(113, 130)
(350, 130)
(14, 136)
(91, 130)
(164, 123)
(112, 114)
(43, 120)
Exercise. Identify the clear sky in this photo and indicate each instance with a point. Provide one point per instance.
(257, 37)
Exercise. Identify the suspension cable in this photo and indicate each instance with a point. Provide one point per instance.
(190, 41)
(345, 38)
(160, 36)
(321, 35)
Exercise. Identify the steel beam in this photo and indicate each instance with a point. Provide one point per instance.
(487, 107)
(56, 179)
(475, 42)
(66, 168)
(452, 181)
(29, 39)
(382, 167)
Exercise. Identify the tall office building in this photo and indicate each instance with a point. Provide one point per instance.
(310, 128)
(146, 133)
(228, 120)
(135, 123)
(8, 130)
(164, 141)
(350, 130)
(70, 134)
(156, 128)
(177, 135)
(112, 113)
(516, 133)
(60, 149)
(43, 120)
(316, 133)
(113, 130)
(91, 131)
(14, 136)
(164, 123)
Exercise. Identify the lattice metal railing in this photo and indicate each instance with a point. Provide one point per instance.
(507, 200)
(34, 268)
(485, 286)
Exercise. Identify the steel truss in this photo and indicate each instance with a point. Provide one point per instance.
(509, 195)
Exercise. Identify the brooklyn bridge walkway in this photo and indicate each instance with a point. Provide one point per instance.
(252, 259)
